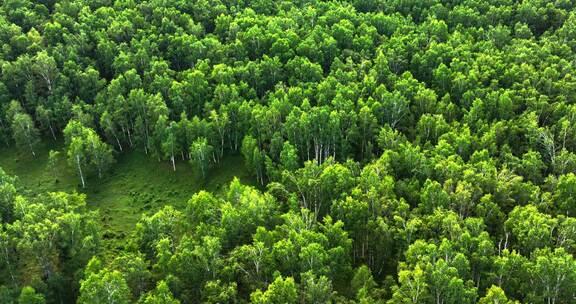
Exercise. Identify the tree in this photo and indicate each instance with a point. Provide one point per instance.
(316, 289)
(110, 128)
(363, 283)
(104, 286)
(160, 295)
(280, 291)
(86, 150)
(220, 124)
(8, 194)
(431, 145)
(565, 193)
(253, 157)
(201, 155)
(302, 69)
(29, 296)
(170, 143)
(53, 229)
(77, 157)
(147, 111)
(289, 157)
(447, 287)
(531, 228)
(25, 134)
(395, 105)
(134, 269)
(161, 227)
(554, 272)
(45, 117)
(413, 287)
(445, 279)
(433, 196)
(366, 126)
(53, 157)
(45, 67)
(100, 154)
(218, 292)
(495, 295)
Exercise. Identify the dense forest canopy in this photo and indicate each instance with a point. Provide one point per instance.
(407, 151)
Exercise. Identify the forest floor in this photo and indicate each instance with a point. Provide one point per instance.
(136, 185)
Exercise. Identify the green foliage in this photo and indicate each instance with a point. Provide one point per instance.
(317, 289)
(86, 150)
(29, 296)
(201, 156)
(363, 283)
(24, 132)
(254, 157)
(46, 232)
(104, 286)
(532, 228)
(53, 161)
(405, 151)
(289, 157)
(495, 295)
(161, 295)
(280, 291)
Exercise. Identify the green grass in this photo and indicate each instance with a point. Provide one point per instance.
(136, 185)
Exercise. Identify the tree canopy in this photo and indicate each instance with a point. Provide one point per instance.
(405, 151)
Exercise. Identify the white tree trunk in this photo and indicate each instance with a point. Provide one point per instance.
(80, 171)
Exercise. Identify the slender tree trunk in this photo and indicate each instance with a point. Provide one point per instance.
(27, 129)
(8, 265)
(51, 130)
(222, 146)
(118, 142)
(31, 148)
(130, 138)
(173, 162)
(147, 144)
(80, 171)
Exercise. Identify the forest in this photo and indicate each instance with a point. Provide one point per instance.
(344, 151)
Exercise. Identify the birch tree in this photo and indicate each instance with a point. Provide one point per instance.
(170, 143)
(46, 69)
(201, 152)
(25, 134)
(106, 286)
(52, 161)
(100, 154)
(85, 150)
(77, 157)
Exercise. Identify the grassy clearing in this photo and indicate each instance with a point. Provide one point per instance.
(136, 185)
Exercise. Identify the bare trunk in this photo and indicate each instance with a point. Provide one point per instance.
(31, 148)
(118, 142)
(222, 146)
(130, 138)
(52, 130)
(8, 265)
(80, 171)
